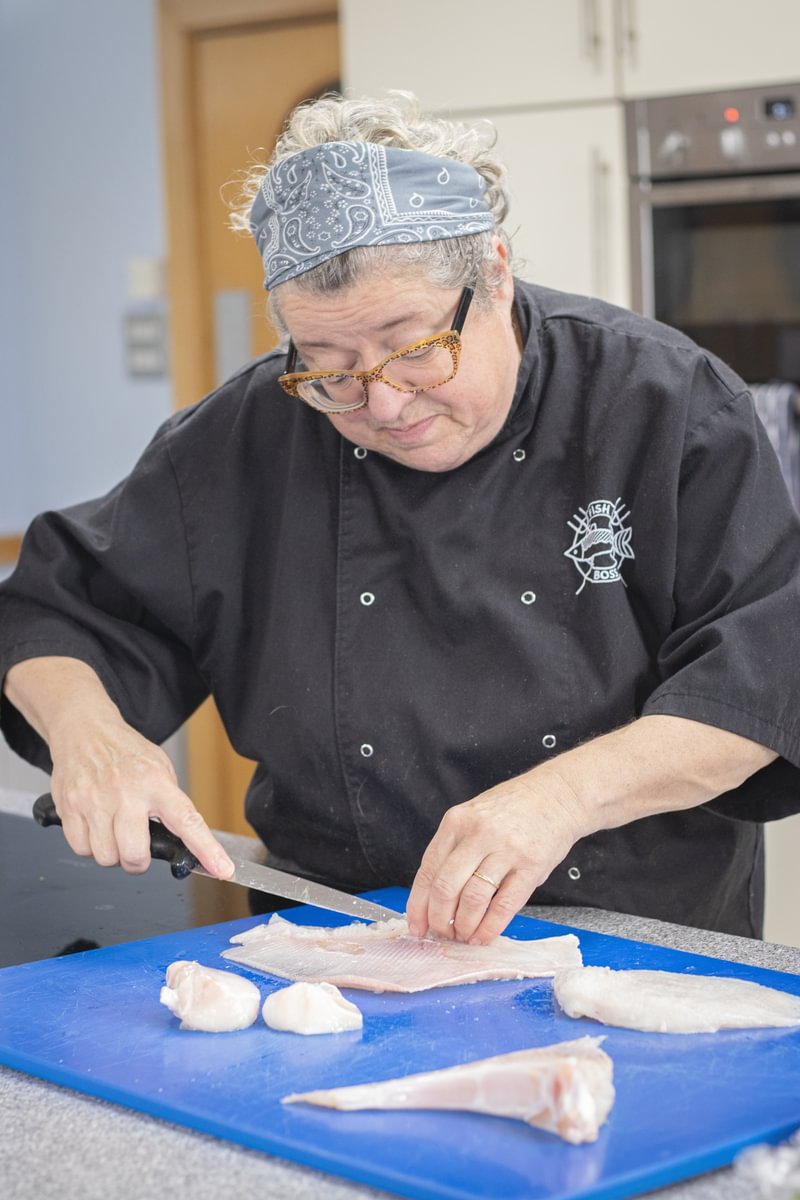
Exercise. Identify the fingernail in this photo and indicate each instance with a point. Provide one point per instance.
(475, 941)
(224, 866)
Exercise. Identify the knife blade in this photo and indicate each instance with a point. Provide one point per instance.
(166, 845)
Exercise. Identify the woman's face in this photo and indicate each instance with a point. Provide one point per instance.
(434, 430)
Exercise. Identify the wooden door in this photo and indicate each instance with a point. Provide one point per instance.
(229, 81)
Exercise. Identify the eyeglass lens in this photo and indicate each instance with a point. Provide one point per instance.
(420, 368)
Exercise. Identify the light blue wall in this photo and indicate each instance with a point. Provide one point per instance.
(14, 490)
(81, 196)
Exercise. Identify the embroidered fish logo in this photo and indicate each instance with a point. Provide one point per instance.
(601, 542)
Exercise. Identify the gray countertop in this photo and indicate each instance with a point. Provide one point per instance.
(57, 1142)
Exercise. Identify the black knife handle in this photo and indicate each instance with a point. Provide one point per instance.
(168, 846)
(44, 811)
(164, 844)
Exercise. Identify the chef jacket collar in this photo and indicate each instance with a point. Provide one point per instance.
(525, 402)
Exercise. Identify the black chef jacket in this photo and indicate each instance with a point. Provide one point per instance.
(386, 643)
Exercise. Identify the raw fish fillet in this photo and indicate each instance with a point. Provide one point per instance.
(311, 1008)
(386, 958)
(210, 1000)
(666, 1002)
(566, 1088)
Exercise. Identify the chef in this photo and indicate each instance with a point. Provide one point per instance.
(498, 586)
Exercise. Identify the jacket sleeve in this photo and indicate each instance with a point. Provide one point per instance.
(109, 582)
(732, 659)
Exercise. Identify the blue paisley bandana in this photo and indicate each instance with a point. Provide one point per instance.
(322, 201)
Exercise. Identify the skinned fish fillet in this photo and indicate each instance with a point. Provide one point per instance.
(210, 1000)
(667, 1002)
(311, 1008)
(385, 957)
(566, 1089)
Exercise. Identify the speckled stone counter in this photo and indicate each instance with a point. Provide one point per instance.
(58, 1143)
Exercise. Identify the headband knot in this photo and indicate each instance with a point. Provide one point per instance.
(314, 205)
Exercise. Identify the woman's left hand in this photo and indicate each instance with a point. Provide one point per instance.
(489, 854)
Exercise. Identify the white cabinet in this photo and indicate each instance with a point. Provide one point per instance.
(552, 76)
(473, 55)
(782, 842)
(705, 45)
(568, 198)
(470, 55)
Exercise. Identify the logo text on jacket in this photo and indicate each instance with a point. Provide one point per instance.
(601, 541)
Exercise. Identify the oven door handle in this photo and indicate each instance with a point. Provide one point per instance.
(722, 191)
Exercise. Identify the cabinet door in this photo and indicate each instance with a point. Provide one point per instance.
(686, 46)
(467, 55)
(568, 216)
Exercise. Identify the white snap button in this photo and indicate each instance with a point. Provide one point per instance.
(366, 599)
(548, 741)
(360, 452)
(519, 456)
(574, 873)
(528, 597)
(367, 750)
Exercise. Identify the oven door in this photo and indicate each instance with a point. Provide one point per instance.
(719, 259)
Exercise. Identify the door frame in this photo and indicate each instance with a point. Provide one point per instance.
(9, 547)
(179, 21)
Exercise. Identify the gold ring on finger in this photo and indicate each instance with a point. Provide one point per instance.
(486, 879)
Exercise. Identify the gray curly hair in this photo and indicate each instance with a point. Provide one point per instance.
(394, 120)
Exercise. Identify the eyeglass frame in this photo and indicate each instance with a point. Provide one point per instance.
(450, 339)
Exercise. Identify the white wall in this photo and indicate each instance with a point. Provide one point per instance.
(82, 195)
(782, 915)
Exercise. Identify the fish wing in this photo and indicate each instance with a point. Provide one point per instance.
(385, 957)
(208, 999)
(668, 1002)
(566, 1088)
(311, 1008)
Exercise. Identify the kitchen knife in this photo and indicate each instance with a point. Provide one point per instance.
(166, 845)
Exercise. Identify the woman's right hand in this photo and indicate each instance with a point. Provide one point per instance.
(107, 783)
(108, 780)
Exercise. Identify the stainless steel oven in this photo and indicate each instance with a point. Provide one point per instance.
(715, 222)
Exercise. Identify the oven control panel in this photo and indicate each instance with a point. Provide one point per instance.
(740, 131)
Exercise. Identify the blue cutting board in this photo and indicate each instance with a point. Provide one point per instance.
(685, 1103)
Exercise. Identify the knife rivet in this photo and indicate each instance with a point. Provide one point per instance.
(574, 873)
(360, 452)
(366, 599)
(528, 597)
(367, 750)
(548, 741)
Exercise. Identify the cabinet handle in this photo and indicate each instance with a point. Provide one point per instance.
(627, 32)
(600, 231)
(591, 38)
